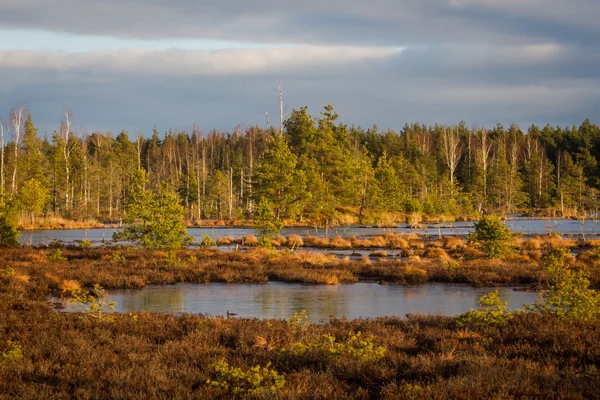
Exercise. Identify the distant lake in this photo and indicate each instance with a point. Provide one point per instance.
(524, 226)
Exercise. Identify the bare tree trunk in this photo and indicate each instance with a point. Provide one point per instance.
(280, 88)
(452, 150)
(2, 162)
(66, 131)
(138, 139)
(251, 166)
(230, 192)
(16, 118)
(486, 148)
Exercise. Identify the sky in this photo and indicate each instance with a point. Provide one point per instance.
(133, 64)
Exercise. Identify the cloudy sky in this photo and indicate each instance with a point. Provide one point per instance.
(130, 64)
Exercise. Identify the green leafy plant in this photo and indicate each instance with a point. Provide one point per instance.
(9, 234)
(254, 381)
(7, 272)
(567, 294)
(492, 234)
(12, 351)
(299, 320)
(174, 260)
(493, 313)
(207, 241)
(85, 244)
(94, 305)
(117, 257)
(56, 256)
(355, 346)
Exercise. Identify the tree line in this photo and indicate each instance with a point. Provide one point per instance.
(316, 168)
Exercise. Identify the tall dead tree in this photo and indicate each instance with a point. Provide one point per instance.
(485, 151)
(2, 161)
(452, 151)
(65, 134)
(280, 89)
(16, 119)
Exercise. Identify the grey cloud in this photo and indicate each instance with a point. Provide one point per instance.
(380, 22)
(433, 84)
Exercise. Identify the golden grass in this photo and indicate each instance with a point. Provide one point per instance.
(294, 240)
(59, 223)
(225, 241)
(249, 240)
(437, 252)
(339, 242)
(68, 286)
(454, 243)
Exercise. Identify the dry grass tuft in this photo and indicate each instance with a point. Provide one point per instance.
(225, 241)
(454, 244)
(295, 241)
(69, 286)
(250, 241)
(339, 242)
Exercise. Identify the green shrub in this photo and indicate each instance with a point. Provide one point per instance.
(173, 260)
(493, 235)
(85, 244)
(8, 271)
(12, 351)
(326, 346)
(207, 241)
(493, 312)
(56, 256)
(93, 305)
(255, 381)
(567, 294)
(9, 234)
(117, 257)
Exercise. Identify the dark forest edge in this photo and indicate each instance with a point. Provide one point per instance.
(318, 171)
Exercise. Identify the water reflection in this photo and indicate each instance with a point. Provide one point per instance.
(282, 300)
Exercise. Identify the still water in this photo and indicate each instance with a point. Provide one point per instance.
(281, 300)
(525, 226)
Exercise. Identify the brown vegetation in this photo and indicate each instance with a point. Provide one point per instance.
(146, 356)
(134, 268)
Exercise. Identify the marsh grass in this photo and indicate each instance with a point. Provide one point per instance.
(48, 354)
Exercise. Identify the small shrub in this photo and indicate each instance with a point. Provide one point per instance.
(173, 260)
(85, 244)
(298, 320)
(12, 351)
(207, 241)
(493, 235)
(93, 305)
(493, 312)
(255, 381)
(7, 272)
(117, 257)
(264, 242)
(56, 255)
(326, 346)
(567, 294)
(9, 234)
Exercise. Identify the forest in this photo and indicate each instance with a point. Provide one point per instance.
(313, 169)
